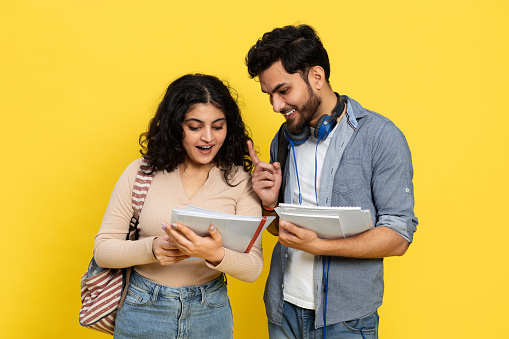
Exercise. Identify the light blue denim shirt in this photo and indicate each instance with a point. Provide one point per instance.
(368, 164)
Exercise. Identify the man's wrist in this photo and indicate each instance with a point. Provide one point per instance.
(268, 208)
(319, 247)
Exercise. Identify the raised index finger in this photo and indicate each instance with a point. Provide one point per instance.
(252, 153)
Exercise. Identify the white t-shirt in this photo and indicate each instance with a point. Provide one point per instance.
(299, 277)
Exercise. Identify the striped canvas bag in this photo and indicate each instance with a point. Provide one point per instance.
(103, 289)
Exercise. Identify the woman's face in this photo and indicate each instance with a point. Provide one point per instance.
(204, 133)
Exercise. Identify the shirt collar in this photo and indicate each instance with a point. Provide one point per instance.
(351, 113)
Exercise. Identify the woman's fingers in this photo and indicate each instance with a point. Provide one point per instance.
(166, 252)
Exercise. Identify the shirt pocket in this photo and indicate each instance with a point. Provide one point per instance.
(348, 177)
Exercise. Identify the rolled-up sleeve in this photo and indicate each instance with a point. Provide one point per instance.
(392, 186)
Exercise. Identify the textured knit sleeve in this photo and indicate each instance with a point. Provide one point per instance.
(244, 266)
(111, 249)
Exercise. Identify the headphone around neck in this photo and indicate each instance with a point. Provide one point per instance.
(324, 126)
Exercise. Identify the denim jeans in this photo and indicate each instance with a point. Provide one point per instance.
(155, 311)
(299, 323)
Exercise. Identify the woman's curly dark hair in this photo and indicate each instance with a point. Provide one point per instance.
(162, 144)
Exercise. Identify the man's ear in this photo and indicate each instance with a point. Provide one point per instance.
(316, 77)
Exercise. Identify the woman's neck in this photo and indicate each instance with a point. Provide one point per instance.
(195, 170)
(193, 177)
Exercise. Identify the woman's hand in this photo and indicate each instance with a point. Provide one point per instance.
(166, 253)
(209, 248)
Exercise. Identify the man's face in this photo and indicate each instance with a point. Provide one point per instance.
(291, 96)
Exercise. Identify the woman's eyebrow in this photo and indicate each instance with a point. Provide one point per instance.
(193, 119)
(198, 120)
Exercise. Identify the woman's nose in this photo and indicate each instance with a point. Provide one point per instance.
(207, 135)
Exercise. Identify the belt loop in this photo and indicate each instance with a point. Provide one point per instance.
(155, 293)
(202, 289)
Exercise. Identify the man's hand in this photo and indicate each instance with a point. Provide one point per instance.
(298, 238)
(266, 179)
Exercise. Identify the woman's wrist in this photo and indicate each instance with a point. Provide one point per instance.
(153, 245)
(219, 258)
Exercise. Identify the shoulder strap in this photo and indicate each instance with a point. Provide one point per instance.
(282, 154)
(140, 189)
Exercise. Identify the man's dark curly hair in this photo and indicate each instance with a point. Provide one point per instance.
(162, 144)
(298, 47)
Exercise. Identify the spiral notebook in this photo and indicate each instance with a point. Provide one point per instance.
(239, 232)
(327, 222)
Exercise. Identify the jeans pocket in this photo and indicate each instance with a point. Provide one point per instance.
(136, 296)
(368, 325)
(217, 297)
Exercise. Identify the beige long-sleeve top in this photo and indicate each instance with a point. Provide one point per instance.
(165, 193)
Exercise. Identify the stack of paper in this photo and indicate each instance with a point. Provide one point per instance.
(327, 222)
(238, 232)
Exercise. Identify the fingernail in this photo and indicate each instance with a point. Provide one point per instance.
(212, 228)
(163, 227)
(175, 225)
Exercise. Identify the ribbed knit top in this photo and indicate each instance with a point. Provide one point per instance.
(165, 193)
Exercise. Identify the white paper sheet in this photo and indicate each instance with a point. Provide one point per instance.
(327, 222)
(236, 230)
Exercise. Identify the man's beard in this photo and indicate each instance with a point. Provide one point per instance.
(307, 112)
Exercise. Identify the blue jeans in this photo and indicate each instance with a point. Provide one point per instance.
(299, 323)
(155, 311)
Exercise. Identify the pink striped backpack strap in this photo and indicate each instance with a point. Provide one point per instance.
(140, 189)
(103, 290)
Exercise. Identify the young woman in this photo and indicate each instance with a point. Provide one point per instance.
(196, 146)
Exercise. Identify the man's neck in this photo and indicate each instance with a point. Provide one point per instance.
(329, 101)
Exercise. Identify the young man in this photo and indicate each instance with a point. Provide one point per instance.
(338, 154)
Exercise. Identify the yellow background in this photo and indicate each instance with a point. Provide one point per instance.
(81, 79)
